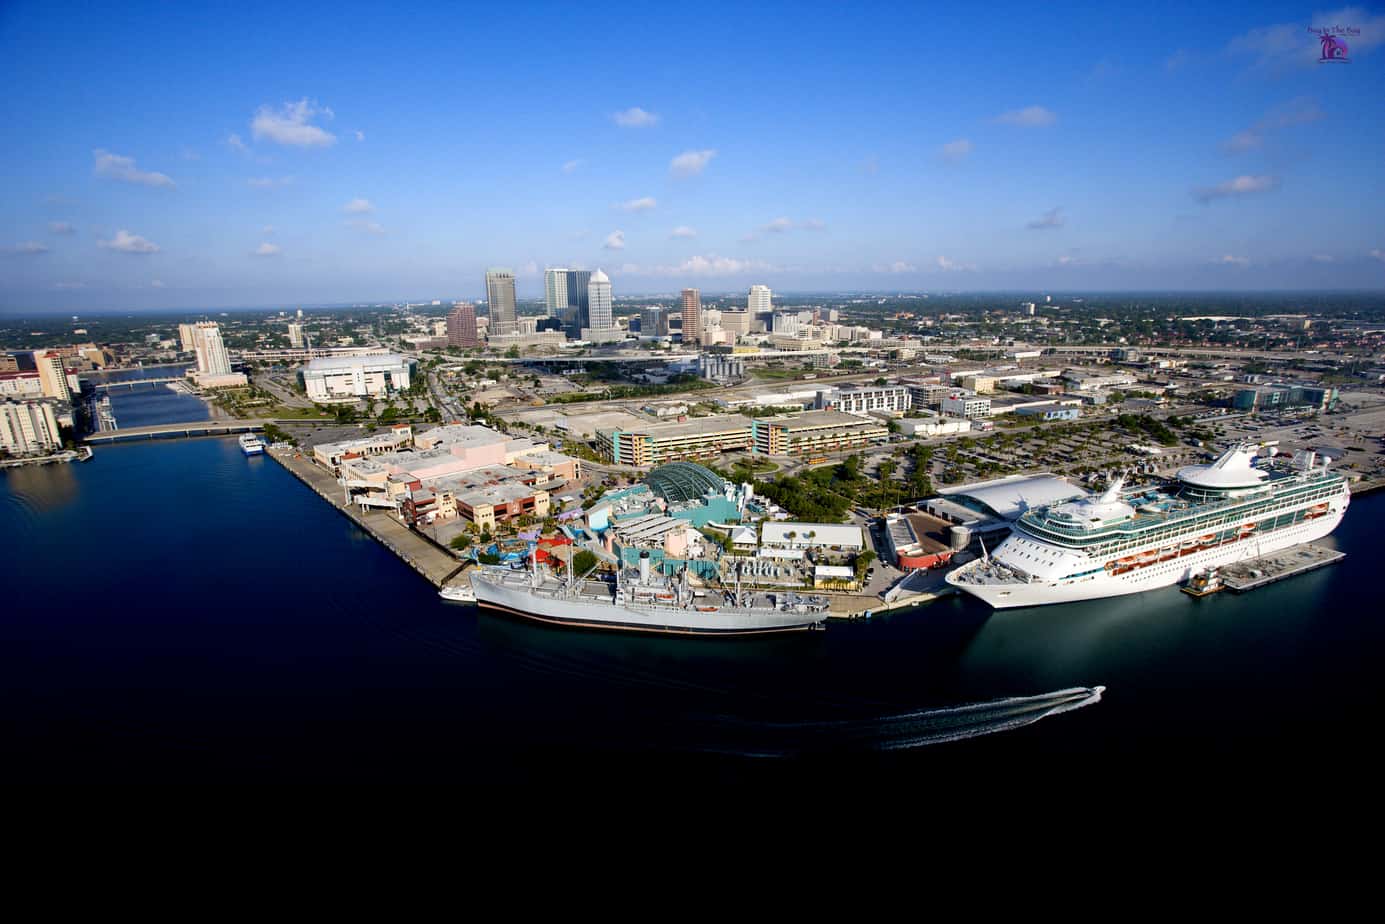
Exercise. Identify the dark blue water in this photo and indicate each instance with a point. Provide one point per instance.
(147, 405)
(178, 612)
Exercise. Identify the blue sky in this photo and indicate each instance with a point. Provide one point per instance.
(215, 155)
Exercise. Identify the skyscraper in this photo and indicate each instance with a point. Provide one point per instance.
(576, 315)
(187, 333)
(295, 335)
(759, 300)
(52, 376)
(555, 291)
(599, 302)
(211, 352)
(654, 321)
(461, 325)
(500, 296)
(692, 316)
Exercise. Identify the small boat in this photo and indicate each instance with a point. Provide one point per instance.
(250, 444)
(1203, 583)
(458, 593)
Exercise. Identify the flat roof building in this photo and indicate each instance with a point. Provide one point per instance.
(346, 378)
(812, 432)
(655, 444)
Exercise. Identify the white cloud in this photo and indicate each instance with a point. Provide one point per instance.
(1050, 219)
(69, 285)
(268, 182)
(368, 227)
(1323, 258)
(1230, 260)
(125, 242)
(27, 248)
(267, 250)
(1378, 254)
(898, 266)
(61, 227)
(1298, 111)
(571, 166)
(683, 231)
(1240, 186)
(954, 151)
(236, 144)
(635, 117)
(358, 207)
(947, 265)
(691, 163)
(360, 135)
(1244, 141)
(1029, 116)
(615, 241)
(115, 167)
(157, 284)
(638, 205)
(813, 224)
(713, 265)
(267, 229)
(291, 124)
(779, 225)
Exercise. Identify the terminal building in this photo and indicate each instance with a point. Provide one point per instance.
(987, 508)
(346, 378)
(1282, 397)
(814, 432)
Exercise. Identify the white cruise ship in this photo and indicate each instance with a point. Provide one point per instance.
(1121, 542)
(250, 444)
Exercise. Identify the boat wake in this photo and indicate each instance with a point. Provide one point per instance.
(906, 730)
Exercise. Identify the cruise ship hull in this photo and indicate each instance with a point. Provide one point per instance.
(596, 614)
(1153, 576)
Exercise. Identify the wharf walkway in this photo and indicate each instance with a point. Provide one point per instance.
(1276, 566)
(431, 561)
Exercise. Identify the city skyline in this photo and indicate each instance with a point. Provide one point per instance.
(908, 150)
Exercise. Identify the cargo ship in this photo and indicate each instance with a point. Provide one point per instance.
(1247, 503)
(642, 601)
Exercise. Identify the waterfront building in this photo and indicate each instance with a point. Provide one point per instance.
(555, 291)
(330, 455)
(187, 337)
(917, 540)
(961, 404)
(461, 325)
(211, 352)
(295, 335)
(814, 432)
(347, 378)
(692, 316)
(759, 300)
(863, 399)
(52, 375)
(29, 427)
(21, 385)
(799, 537)
(500, 300)
(655, 444)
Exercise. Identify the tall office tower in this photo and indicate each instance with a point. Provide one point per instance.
(599, 302)
(759, 300)
(300, 314)
(786, 323)
(736, 323)
(211, 352)
(500, 295)
(654, 321)
(187, 334)
(295, 335)
(575, 316)
(461, 325)
(555, 291)
(692, 316)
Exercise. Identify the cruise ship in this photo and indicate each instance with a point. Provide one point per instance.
(250, 444)
(644, 602)
(1240, 506)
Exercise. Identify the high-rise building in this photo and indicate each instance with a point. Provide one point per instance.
(500, 296)
(187, 334)
(28, 426)
(692, 316)
(654, 321)
(461, 325)
(295, 335)
(555, 291)
(759, 300)
(52, 375)
(300, 314)
(211, 352)
(599, 302)
(575, 316)
(736, 323)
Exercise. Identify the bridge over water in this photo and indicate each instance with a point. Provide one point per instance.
(131, 383)
(176, 430)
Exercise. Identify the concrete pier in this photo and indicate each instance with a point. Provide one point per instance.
(1276, 566)
(436, 564)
